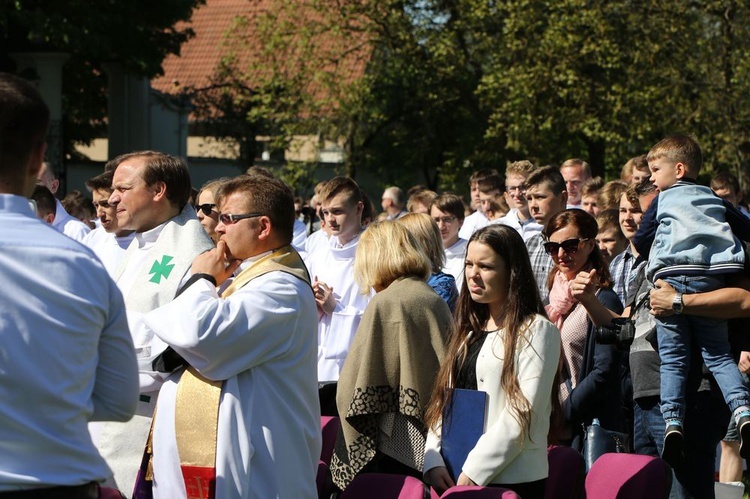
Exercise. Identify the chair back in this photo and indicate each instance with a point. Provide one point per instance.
(628, 476)
(384, 486)
(110, 493)
(567, 472)
(329, 426)
(323, 481)
(477, 492)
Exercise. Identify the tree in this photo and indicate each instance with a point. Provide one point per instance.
(454, 85)
(137, 33)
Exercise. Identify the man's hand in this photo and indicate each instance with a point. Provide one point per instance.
(662, 297)
(324, 296)
(439, 479)
(744, 363)
(215, 263)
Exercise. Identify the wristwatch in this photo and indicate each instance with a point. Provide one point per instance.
(677, 304)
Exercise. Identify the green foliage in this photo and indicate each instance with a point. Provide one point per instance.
(454, 85)
(137, 33)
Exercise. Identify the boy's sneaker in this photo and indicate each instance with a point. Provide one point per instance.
(674, 443)
(743, 428)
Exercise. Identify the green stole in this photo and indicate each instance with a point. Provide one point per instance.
(197, 401)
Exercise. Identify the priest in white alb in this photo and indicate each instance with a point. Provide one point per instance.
(242, 420)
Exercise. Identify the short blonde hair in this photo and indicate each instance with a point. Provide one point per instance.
(679, 149)
(609, 195)
(592, 186)
(427, 234)
(424, 197)
(386, 252)
(522, 168)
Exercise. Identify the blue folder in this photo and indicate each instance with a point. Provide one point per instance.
(463, 425)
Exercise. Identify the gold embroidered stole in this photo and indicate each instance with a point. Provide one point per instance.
(197, 400)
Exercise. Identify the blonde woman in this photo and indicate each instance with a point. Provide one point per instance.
(387, 378)
(427, 234)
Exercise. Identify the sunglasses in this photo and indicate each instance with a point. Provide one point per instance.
(228, 219)
(205, 208)
(569, 246)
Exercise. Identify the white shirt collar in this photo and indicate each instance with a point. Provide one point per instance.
(149, 237)
(248, 262)
(16, 204)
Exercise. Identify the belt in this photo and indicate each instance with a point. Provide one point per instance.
(86, 491)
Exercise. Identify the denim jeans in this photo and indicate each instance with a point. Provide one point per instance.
(732, 434)
(675, 334)
(705, 424)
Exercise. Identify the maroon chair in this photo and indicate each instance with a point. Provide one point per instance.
(109, 493)
(329, 426)
(384, 486)
(323, 481)
(628, 476)
(477, 492)
(567, 473)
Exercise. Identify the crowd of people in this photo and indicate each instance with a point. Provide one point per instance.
(184, 343)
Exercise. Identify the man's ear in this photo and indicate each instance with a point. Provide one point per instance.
(680, 170)
(265, 228)
(564, 197)
(159, 190)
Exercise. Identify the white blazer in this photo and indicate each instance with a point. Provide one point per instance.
(501, 456)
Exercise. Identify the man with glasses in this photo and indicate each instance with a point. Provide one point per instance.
(546, 195)
(108, 241)
(448, 212)
(150, 192)
(519, 216)
(249, 395)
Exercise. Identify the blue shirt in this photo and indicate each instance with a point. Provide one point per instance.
(67, 355)
(445, 286)
(621, 270)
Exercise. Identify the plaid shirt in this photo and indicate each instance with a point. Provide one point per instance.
(622, 276)
(541, 263)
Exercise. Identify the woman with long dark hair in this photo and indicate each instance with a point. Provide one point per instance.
(590, 371)
(502, 345)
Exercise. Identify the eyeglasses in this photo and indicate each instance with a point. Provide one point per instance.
(445, 220)
(513, 188)
(569, 246)
(206, 208)
(228, 219)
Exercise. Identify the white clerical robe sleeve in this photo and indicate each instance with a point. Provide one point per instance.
(222, 337)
